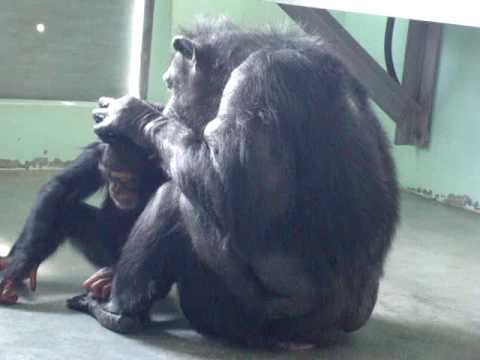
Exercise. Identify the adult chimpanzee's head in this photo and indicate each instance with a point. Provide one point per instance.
(125, 168)
(200, 67)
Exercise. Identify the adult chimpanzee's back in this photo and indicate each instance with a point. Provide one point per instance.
(284, 182)
(355, 176)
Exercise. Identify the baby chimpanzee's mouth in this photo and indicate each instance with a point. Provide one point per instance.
(125, 200)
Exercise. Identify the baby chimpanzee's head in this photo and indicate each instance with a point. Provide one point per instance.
(124, 165)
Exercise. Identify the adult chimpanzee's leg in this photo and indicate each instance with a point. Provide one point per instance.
(348, 310)
(210, 307)
(153, 253)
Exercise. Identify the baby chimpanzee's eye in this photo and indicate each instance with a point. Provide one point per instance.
(125, 180)
(130, 184)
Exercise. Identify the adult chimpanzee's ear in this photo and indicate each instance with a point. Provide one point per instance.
(184, 46)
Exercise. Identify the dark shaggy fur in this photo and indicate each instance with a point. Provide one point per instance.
(60, 211)
(281, 175)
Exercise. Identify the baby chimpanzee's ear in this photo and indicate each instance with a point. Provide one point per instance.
(184, 46)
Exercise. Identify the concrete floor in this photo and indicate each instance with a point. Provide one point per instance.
(428, 308)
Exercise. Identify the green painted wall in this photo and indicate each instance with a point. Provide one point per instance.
(449, 166)
(161, 39)
(245, 11)
(42, 131)
(31, 130)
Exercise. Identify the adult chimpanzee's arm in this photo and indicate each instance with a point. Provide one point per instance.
(188, 160)
(154, 254)
(40, 235)
(184, 155)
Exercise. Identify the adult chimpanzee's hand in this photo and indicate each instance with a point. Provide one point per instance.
(124, 117)
(8, 291)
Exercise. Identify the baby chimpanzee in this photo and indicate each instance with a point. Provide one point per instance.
(60, 213)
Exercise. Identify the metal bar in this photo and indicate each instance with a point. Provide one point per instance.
(146, 46)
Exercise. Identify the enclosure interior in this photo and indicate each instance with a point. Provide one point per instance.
(428, 305)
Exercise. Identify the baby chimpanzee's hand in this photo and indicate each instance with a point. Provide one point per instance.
(100, 283)
(8, 288)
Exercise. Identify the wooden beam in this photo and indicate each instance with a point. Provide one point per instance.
(388, 94)
(419, 75)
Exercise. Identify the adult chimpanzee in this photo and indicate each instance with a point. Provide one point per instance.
(60, 213)
(289, 194)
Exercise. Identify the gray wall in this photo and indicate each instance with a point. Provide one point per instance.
(83, 53)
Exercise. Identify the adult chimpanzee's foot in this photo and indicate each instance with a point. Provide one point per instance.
(103, 312)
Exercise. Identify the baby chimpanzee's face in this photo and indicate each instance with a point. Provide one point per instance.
(123, 188)
(123, 166)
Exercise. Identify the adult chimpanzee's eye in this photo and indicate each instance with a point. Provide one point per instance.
(169, 83)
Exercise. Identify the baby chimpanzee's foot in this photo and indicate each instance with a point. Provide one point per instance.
(101, 311)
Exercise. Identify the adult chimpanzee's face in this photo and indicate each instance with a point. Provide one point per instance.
(194, 87)
(180, 74)
(183, 77)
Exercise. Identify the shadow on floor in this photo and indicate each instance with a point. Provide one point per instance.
(380, 339)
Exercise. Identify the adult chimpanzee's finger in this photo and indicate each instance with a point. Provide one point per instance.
(105, 101)
(99, 114)
(33, 279)
(8, 295)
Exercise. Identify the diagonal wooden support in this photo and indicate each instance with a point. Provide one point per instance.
(409, 107)
(419, 75)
